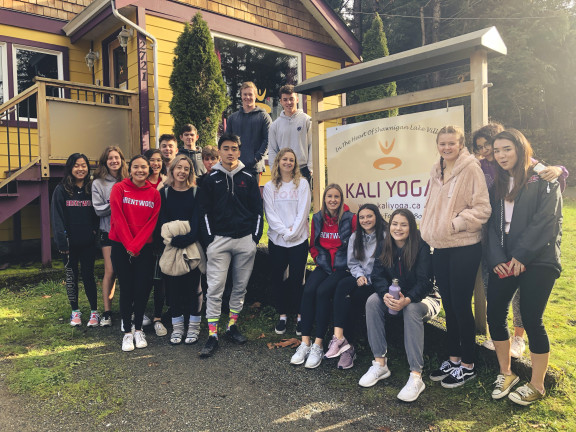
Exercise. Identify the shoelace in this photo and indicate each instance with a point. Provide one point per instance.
(457, 373)
(445, 365)
(500, 381)
(524, 391)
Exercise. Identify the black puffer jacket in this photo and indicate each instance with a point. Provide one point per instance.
(535, 230)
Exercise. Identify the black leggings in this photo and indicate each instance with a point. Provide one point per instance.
(135, 277)
(316, 305)
(455, 270)
(535, 286)
(85, 256)
(349, 305)
(183, 293)
(288, 293)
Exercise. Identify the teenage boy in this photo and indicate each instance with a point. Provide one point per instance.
(293, 130)
(251, 124)
(232, 206)
(210, 158)
(189, 136)
(168, 148)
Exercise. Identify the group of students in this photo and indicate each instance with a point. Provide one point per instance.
(153, 212)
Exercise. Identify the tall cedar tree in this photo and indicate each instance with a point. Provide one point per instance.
(375, 46)
(198, 90)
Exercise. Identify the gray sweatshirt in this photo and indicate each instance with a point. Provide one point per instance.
(294, 132)
(362, 268)
(101, 189)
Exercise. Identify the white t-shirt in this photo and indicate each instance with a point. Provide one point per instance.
(508, 208)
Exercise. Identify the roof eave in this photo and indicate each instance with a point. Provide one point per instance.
(84, 17)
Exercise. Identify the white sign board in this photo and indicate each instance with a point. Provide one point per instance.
(387, 162)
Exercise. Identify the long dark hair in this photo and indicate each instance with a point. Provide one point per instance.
(520, 170)
(410, 249)
(102, 168)
(69, 182)
(488, 132)
(379, 227)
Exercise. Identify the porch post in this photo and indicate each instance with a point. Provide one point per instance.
(479, 117)
(319, 151)
(45, 243)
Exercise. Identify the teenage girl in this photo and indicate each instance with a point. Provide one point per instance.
(179, 204)
(524, 236)
(111, 169)
(74, 224)
(405, 257)
(331, 229)
(287, 206)
(157, 178)
(135, 206)
(482, 146)
(353, 291)
(456, 208)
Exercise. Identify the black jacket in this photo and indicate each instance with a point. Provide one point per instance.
(231, 204)
(535, 230)
(74, 221)
(415, 283)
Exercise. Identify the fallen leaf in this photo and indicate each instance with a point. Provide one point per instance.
(46, 296)
(384, 429)
(152, 364)
(290, 343)
(270, 345)
(256, 305)
(262, 336)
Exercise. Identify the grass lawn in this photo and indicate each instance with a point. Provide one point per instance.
(41, 356)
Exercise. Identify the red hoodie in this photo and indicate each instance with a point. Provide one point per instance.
(329, 236)
(134, 214)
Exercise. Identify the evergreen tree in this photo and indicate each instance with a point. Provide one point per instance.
(198, 89)
(375, 46)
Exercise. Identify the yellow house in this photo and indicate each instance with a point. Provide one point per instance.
(104, 68)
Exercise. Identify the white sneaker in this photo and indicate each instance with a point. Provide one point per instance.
(106, 322)
(128, 342)
(140, 339)
(489, 343)
(315, 357)
(301, 354)
(133, 329)
(374, 374)
(160, 329)
(517, 347)
(145, 321)
(412, 389)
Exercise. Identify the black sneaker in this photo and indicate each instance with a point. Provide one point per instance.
(444, 370)
(210, 347)
(234, 335)
(299, 328)
(280, 327)
(458, 377)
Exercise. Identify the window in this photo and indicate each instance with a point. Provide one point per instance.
(29, 63)
(268, 68)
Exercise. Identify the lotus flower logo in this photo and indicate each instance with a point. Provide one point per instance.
(260, 101)
(388, 162)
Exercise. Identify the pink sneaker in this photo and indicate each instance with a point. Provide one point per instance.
(336, 347)
(94, 320)
(75, 319)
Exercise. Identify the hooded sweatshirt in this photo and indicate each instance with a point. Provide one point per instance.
(74, 222)
(456, 210)
(252, 128)
(329, 240)
(231, 204)
(294, 132)
(101, 189)
(134, 215)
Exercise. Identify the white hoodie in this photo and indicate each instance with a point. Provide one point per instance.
(294, 132)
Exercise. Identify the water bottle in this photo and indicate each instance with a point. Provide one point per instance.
(394, 291)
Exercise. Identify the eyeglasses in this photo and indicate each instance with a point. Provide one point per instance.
(483, 147)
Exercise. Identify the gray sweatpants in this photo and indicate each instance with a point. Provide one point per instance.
(221, 253)
(414, 315)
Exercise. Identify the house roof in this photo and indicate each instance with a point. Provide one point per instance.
(100, 10)
(416, 61)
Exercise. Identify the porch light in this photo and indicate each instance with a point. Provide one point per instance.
(91, 57)
(123, 37)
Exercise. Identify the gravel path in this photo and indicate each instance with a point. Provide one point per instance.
(242, 388)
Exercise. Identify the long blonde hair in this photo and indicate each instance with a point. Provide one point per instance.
(340, 210)
(450, 129)
(277, 177)
(191, 181)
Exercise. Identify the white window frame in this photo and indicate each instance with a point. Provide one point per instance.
(266, 47)
(4, 71)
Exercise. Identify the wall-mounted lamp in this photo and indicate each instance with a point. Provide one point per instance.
(91, 57)
(123, 37)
